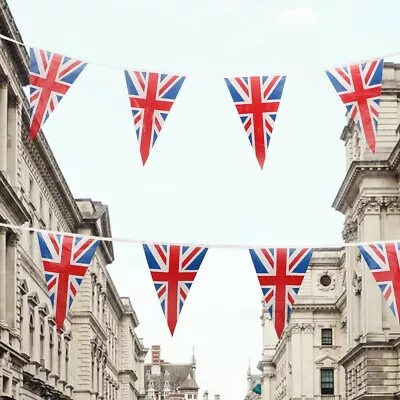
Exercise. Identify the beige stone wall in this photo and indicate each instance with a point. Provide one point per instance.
(83, 361)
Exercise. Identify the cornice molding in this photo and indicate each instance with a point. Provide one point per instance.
(351, 182)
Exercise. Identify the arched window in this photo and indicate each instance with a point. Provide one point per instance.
(42, 343)
(31, 330)
(51, 342)
(67, 361)
(59, 354)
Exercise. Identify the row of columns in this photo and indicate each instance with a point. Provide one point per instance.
(9, 110)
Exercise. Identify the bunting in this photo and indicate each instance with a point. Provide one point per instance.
(151, 97)
(359, 87)
(173, 270)
(257, 101)
(383, 260)
(280, 272)
(50, 76)
(65, 262)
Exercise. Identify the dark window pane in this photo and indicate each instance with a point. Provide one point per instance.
(326, 337)
(327, 386)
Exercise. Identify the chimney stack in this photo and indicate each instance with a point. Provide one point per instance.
(205, 395)
(217, 397)
(155, 354)
(155, 359)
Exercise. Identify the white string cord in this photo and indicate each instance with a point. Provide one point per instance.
(308, 71)
(209, 245)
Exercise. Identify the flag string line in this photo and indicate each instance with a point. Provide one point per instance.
(337, 246)
(297, 73)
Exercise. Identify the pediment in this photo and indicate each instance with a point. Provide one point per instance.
(43, 309)
(33, 299)
(23, 286)
(327, 360)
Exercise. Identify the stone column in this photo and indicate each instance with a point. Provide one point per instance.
(12, 140)
(308, 361)
(297, 355)
(3, 271)
(371, 296)
(11, 282)
(95, 376)
(4, 81)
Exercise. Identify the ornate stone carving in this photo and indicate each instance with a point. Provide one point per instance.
(4, 80)
(375, 204)
(369, 205)
(6, 360)
(350, 231)
(344, 324)
(308, 328)
(295, 328)
(357, 283)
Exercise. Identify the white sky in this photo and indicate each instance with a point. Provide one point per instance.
(202, 182)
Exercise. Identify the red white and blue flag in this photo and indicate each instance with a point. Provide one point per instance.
(383, 260)
(280, 272)
(50, 76)
(359, 87)
(151, 97)
(257, 100)
(173, 270)
(65, 262)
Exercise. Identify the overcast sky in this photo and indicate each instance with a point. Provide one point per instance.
(202, 182)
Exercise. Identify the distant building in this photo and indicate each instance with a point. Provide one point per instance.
(163, 380)
(252, 381)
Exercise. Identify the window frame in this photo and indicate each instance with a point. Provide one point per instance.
(322, 337)
(328, 390)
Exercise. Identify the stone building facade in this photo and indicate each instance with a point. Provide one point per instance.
(97, 354)
(164, 380)
(342, 341)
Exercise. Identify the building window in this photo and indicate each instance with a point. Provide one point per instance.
(42, 343)
(325, 280)
(51, 346)
(31, 189)
(327, 381)
(326, 337)
(41, 206)
(50, 220)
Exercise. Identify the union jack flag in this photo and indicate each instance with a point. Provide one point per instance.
(65, 261)
(359, 87)
(151, 97)
(257, 100)
(50, 76)
(280, 272)
(383, 261)
(173, 270)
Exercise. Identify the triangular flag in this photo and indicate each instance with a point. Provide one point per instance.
(50, 77)
(359, 87)
(383, 260)
(173, 270)
(151, 97)
(280, 272)
(65, 262)
(257, 100)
